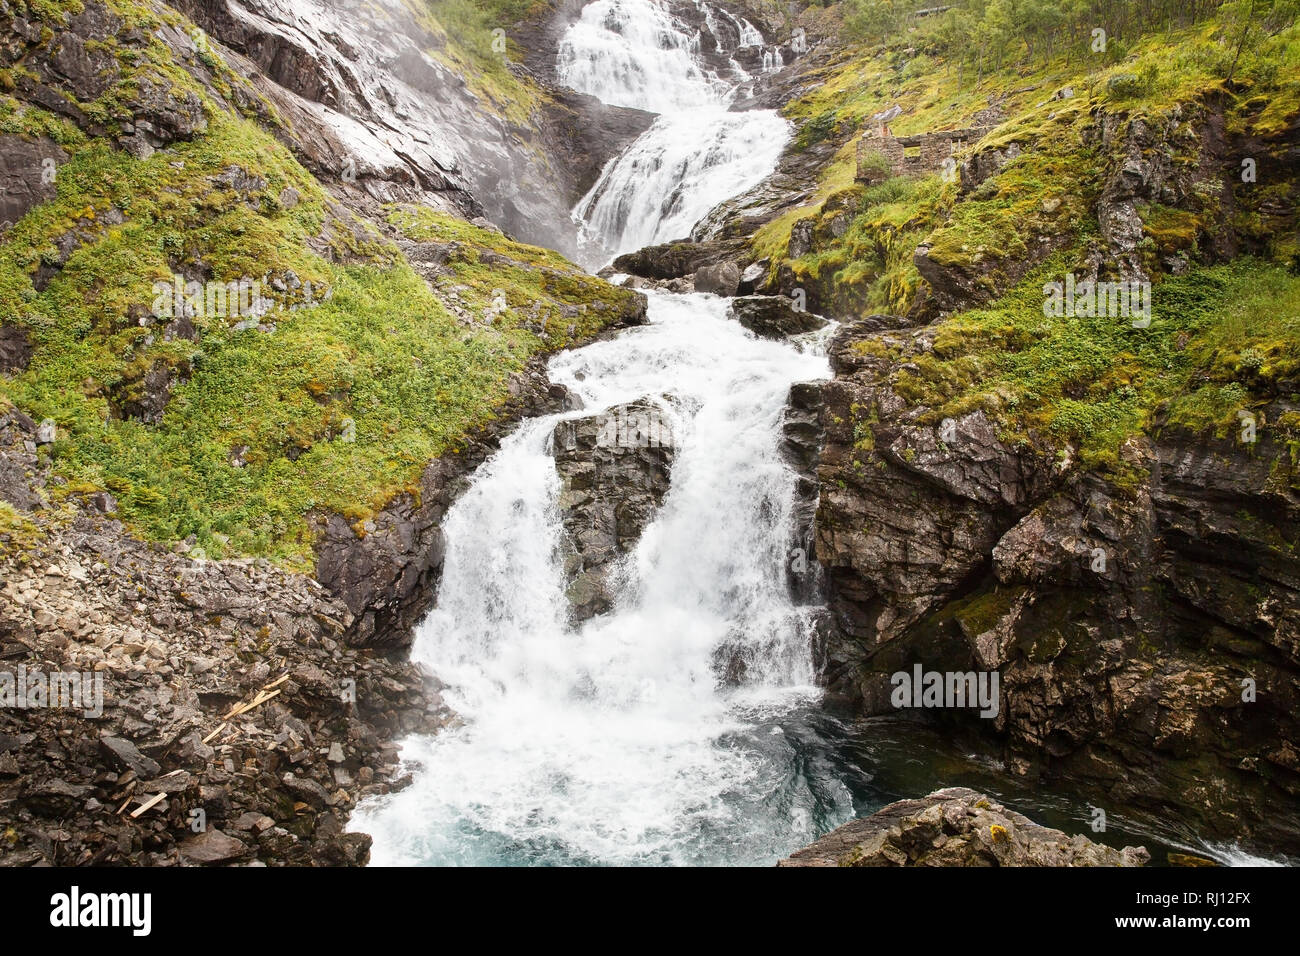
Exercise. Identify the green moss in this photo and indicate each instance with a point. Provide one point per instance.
(981, 612)
(358, 376)
(1221, 340)
(18, 533)
(1050, 191)
(470, 35)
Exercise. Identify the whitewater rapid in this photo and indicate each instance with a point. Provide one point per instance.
(698, 152)
(618, 743)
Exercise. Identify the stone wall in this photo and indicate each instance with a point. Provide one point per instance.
(912, 155)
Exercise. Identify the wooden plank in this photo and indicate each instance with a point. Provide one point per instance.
(220, 728)
(156, 799)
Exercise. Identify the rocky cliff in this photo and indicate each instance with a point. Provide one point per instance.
(387, 98)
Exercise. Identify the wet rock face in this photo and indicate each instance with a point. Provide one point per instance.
(615, 469)
(773, 316)
(269, 784)
(957, 827)
(1133, 629)
(365, 102)
(804, 436)
(15, 350)
(28, 173)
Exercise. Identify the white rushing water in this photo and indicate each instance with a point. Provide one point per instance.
(697, 154)
(616, 742)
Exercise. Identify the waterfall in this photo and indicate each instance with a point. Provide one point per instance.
(697, 154)
(625, 740)
(636, 53)
(628, 739)
(617, 742)
(673, 175)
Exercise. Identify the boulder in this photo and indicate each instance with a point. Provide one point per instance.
(212, 846)
(957, 827)
(673, 260)
(720, 279)
(615, 468)
(773, 317)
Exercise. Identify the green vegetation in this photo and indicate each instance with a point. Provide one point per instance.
(1051, 188)
(1222, 340)
(985, 35)
(1225, 337)
(335, 399)
(476, 42)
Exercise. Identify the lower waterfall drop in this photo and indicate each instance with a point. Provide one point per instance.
(616, 743)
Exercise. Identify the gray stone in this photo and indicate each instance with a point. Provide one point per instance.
(212, 846)
(956, 827)
(129, 756)
(773, 316)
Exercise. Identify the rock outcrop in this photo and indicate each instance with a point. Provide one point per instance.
(167, 651)
(366, 104)
(1145, 637)
(956, 827)
(27, 175)
(721, 279)
(773, 316)
(615, 469)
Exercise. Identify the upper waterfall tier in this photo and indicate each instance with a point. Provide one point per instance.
(638, 53)
(643, 54)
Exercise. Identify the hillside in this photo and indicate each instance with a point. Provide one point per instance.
(307, 444)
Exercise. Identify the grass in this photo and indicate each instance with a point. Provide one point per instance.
(336, 403)
(1051, 189)
(1222, 340)
(1225, 337)
(472, 35)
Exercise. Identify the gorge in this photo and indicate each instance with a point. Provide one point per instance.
(615, 562)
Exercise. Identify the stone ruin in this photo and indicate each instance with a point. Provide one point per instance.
(912, 155)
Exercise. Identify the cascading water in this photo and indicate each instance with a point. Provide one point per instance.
(617, 741)
(614, 743)
(637, 53)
